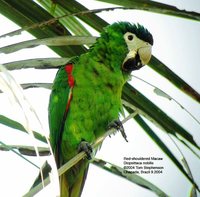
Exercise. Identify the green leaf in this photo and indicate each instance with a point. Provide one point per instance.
(91, 19)
(134, 178)
(39, 63)
(152, 112)
(153, 6)
(71, 22)
(163, 70)
(159, 92)
(35, 85)
(163, 147)
(55, 41)
(19, 127)
(3, 146)
(19, 12)
(26, 150)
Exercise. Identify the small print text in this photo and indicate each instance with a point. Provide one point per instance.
(143, 165)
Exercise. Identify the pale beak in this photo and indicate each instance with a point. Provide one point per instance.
(136, 59)
(145, 54)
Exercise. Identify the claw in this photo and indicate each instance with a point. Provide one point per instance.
(86, 147)
(117, 124)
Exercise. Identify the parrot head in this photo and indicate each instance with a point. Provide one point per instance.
(139, 43)
(129, 45)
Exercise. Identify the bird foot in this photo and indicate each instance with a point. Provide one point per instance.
(87, 148)
(117, 124)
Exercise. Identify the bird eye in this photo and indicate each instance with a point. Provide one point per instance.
(130, 37)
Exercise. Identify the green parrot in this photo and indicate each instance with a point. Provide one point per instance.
(86, 96)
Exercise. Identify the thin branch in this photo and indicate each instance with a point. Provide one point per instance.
(76, 159)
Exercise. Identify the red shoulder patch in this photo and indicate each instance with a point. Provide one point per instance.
(69, 69)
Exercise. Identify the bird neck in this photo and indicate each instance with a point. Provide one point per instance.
(108, 53)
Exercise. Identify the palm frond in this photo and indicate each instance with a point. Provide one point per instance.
(53, 23)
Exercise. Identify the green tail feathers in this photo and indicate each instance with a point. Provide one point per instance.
(73, 187)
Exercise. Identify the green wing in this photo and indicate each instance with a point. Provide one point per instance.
(57, 107)
(59, 101)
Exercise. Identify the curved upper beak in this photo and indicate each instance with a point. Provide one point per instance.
(138, 56)
(145, 54)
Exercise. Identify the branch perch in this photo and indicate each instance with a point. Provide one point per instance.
(76, 159)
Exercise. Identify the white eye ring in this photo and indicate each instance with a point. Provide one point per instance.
(129, 37)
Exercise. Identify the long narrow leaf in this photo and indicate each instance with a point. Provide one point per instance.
(26, 13)
(4, 146)
(91, 19)
(36, 85)
(161, 144)
(55, 41)
(163, 70)
(163, 94)
(156, 7)
(19, 127)
(26, 150)
(134, 97)
(71, 23)
(134, 178)
(40, 63)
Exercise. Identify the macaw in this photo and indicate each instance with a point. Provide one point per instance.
(86, 96)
